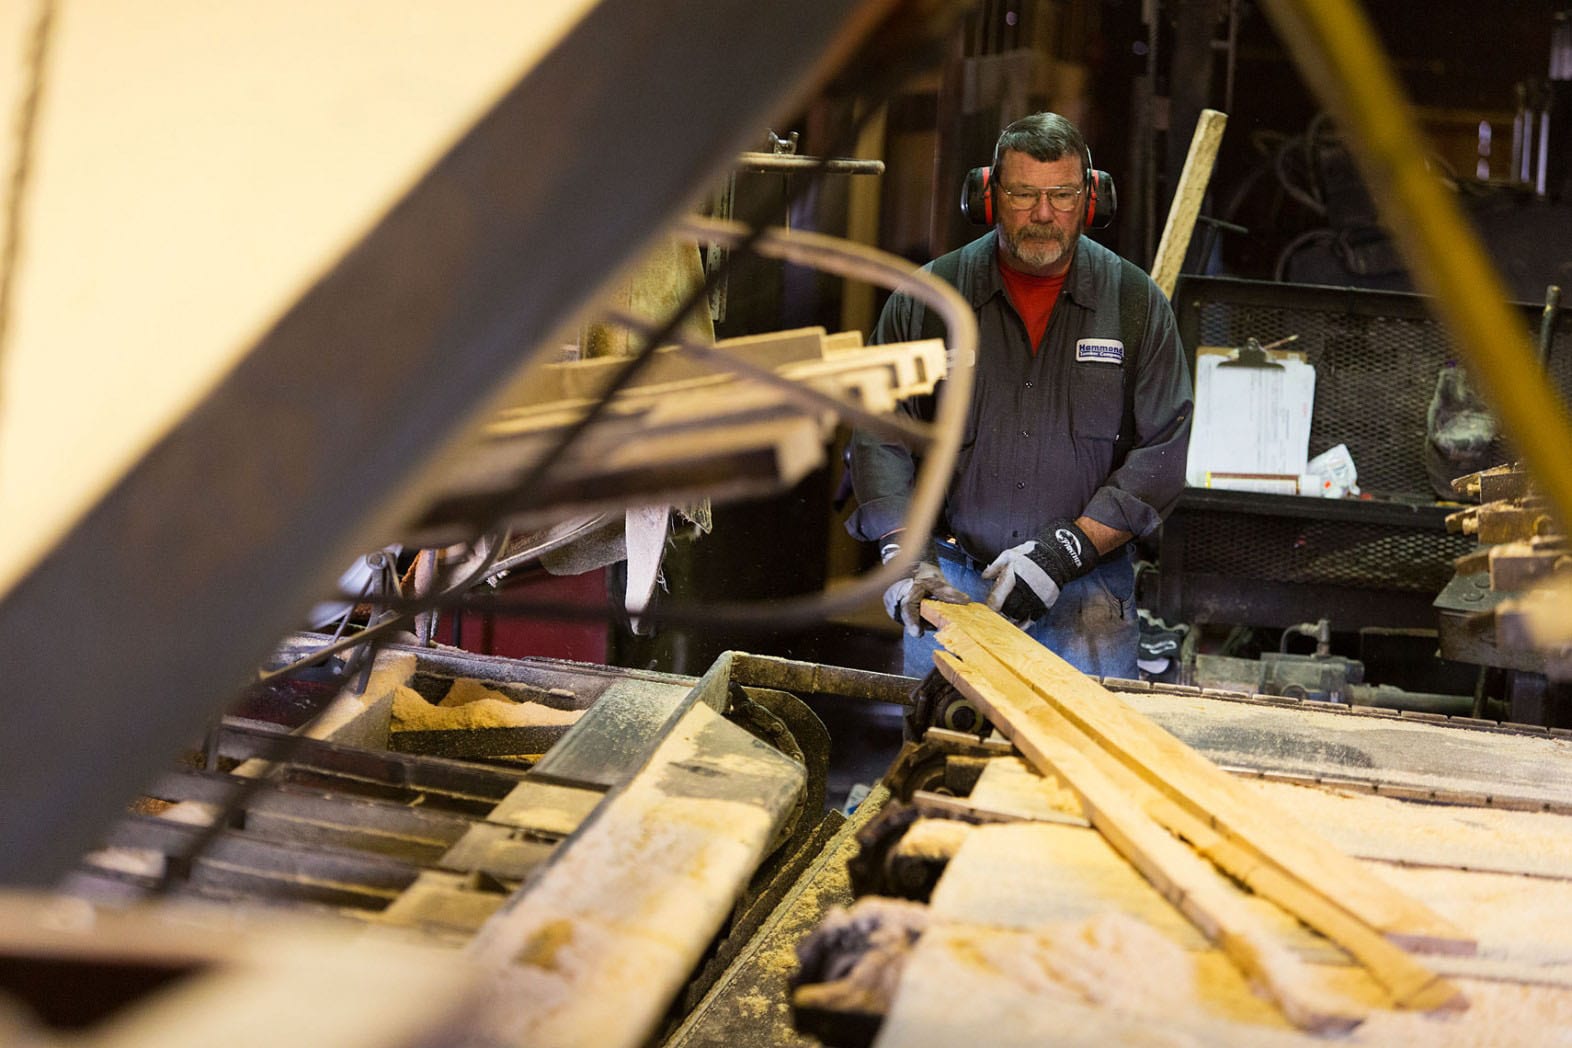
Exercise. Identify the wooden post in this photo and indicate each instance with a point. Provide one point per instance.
(1193, 181)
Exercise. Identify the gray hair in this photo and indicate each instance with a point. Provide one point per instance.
(1044, 137)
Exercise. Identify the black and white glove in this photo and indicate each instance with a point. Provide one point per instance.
(903, 600)
(1027, 578)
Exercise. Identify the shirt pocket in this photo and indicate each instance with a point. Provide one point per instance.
(981, 407)
(1096, 400)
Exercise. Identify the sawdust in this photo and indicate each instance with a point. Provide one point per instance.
(470, 705)
(1091, 984)
(934, 838)
(754, 1005)
(1125, 969)
(1499, 1014)
(1370, 826)
(832, 887)
(541, 950)
(999, 879)
(1522, 918)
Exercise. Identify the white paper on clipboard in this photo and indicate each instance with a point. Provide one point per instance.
(1250, 418)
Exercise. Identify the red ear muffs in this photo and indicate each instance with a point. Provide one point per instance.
(977, 198)
(1101, 199)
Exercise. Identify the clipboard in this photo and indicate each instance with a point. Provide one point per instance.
(1252, 355)
(1252, 412)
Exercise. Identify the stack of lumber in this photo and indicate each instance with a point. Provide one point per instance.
(696, 422)
(1092, 881)
(1184, 824)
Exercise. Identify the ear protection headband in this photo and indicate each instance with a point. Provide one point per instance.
(1101, 199)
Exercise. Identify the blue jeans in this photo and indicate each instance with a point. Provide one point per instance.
(1092, 626)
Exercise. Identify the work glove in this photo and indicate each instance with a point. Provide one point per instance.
(1028, 578)
(903, 600)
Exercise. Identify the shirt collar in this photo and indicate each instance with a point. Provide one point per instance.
(985, 281)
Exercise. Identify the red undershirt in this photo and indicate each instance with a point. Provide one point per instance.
(1033, 298)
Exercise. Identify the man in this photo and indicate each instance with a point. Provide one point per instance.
(1047, 492)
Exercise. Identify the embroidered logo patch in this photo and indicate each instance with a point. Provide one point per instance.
(1102, 350)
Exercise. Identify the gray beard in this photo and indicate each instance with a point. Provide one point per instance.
(1037, 246)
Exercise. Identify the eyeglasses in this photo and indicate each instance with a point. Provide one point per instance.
(1024, 198)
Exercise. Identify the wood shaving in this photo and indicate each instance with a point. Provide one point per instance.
(934, 838)
(470, 708)
(1009, 784)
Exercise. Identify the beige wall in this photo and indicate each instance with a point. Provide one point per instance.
(198, 163)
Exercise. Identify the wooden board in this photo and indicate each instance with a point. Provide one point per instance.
(997, 878)
(1193, 180)
(1009, 787)
(1411, 984)
(969, 983)
(1184, 879)
(877, 377)
(1267, 836)
(624, 911)
(1023, 715)
(670, 370)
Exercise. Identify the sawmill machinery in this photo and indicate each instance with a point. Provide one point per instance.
(323, 299)
(319, 266)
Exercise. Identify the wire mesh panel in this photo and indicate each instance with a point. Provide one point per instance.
(1376, 354)
(1305, 551)
(1377, 357)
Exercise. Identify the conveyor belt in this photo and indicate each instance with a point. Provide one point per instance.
(1415, 755)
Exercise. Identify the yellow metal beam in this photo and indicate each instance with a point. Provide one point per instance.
(1336, 51)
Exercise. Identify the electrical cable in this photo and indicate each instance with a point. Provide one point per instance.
(848, 259)
(952, 409)
(1335, 47)
(1318, 235)
(1306, 197)
(349, 611)
(856, 260)
(845, 258)
(895, 427)
(406, 611)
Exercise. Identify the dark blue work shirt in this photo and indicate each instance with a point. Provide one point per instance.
(1040, 437)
